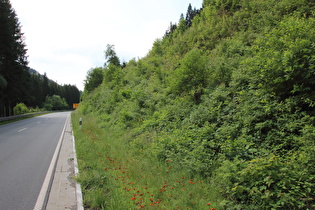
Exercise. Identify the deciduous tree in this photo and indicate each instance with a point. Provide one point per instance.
(93, 79)
(111, 56)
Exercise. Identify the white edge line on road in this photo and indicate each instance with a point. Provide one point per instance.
(43, 195)
(23, 129)
(76, 172)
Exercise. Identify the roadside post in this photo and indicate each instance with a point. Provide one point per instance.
(80, 122)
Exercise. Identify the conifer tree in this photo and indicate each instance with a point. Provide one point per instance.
(45, 87)
(13, 60)
(189, 15)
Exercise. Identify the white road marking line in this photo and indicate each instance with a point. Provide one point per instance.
(44, 192)
(23, 129)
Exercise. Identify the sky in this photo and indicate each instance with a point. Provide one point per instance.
(66, 38)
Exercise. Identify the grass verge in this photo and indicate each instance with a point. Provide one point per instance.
(114, 175)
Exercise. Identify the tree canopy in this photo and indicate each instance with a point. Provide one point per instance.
(111, 56)
(94, 78)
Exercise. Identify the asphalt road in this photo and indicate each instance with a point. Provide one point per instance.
(26, 150)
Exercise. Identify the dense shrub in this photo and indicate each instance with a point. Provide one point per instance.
(20, 108)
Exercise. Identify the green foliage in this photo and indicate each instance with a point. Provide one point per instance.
(13, 60)
(20, 108)
(290, 69)
(191, 76)
(182, 26)
(113, 75)
(111, 56)
(55, 102)
(195, 148)
(94, 78)
(228, 98)
(41, 86)
(3, 82)
(230, 5)
(270, 182)
(114, 175)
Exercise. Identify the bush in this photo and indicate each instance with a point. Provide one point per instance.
(20, 108)
(269, 182)
(55, 102)
(191, 76)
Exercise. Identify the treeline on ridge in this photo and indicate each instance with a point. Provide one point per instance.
(230, 96)
(42, 87)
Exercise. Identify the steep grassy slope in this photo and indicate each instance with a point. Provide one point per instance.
(230, 98)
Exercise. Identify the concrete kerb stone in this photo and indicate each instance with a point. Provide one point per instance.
(76, 172)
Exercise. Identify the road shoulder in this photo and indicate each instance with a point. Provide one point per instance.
(65, 193)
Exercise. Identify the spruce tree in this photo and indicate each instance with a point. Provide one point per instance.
(189, 15)
(13, 60)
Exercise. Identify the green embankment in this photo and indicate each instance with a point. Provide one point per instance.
(219, 114)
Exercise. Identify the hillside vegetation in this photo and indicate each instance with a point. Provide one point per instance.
(228, 98)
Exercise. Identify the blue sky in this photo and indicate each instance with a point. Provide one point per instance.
(66, 38)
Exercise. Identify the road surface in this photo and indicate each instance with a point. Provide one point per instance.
(26, 150)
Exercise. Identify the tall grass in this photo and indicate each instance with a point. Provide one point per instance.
(114, 175)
